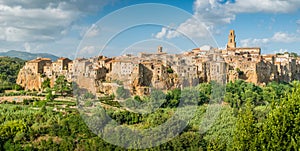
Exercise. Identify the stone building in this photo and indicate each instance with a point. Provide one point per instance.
(61, 64)
(216, 68)
(30, 76)
(232, 50)
(248, 64)
(165, 71)
(48, 71)
(36, 71)
(37, 65)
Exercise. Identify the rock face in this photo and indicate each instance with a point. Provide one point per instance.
(29, 80)
(33, 74)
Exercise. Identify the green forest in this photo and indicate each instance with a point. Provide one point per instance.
(9, 69)
(251, 117)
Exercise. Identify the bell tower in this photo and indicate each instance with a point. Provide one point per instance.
(231, 40)
(159, 49)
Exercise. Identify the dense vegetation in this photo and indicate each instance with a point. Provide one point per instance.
(250, 118)
(9, 69)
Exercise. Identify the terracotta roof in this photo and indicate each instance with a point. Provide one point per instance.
(39, 60)
(45, 59)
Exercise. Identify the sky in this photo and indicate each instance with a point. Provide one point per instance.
(80, 28)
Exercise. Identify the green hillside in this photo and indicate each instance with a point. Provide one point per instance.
(9, 69)
(27, 55)
(250, 118)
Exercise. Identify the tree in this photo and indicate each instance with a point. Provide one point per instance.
(46, 84)
(220, 135)
(62, 86)
(293, 54)
(157, 98)
(281, 130)
(9, 129)
(49, 96)
(172, 98)
(9, 69)
(170, 70)
(122, 93)
(245, 132)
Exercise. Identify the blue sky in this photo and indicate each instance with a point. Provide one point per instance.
(112, 28)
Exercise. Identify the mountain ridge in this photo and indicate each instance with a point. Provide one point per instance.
(27, 55)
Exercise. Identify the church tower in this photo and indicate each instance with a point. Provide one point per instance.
(231, 40)
(159, 49)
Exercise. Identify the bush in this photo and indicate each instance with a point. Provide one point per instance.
(122, 93)
(170, 70)
(88, 103)
(38, 103)
(26, 101)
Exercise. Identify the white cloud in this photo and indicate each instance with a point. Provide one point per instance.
(212, 14)
(162, 33)
(285, 37)
(191, 28)
(280, 37)
(254, 42)
(268, 6)
(88, 50)
(46, 20)
(281, 51)
(206, 47)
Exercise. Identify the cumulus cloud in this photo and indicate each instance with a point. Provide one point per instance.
(214, 13)
(88, 50)
(191, 28)
(162, 33)
(281, 37)
(285, 37)
(46, 20)
(254, 42)
(268, 6)
(281, 51)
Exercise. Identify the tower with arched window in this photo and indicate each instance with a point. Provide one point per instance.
(231, 40)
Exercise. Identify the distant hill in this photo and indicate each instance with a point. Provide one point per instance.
(27, 56)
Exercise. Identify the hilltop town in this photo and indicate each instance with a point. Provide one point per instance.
(103, 75)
